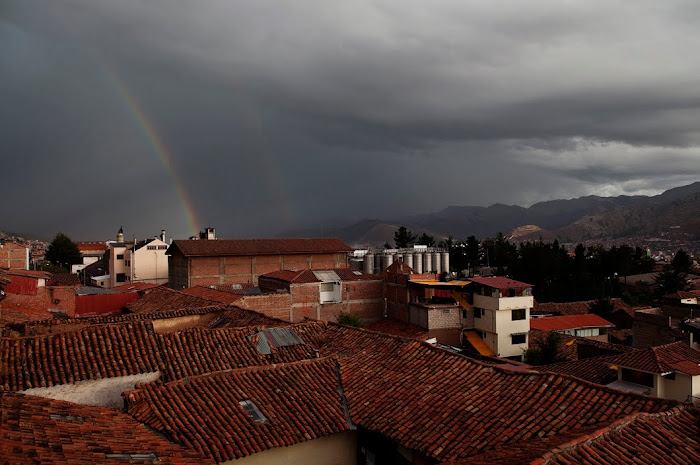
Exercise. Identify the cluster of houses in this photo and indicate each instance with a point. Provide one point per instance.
(237, 356)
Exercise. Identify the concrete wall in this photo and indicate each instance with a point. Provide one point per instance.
(337, 449)
(98, 392)
(116, 266)
(676, 389)
(149, 266)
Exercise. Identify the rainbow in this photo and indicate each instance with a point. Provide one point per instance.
(143, 122)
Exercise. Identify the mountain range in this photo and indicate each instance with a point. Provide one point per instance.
(573, 220)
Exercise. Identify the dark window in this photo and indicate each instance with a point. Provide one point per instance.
(464, 314)
(518, 314)
(671, 376)
(121, 277)
(638, 377)
(162, 247)
(518, 338)
(446, 310)
(478, 312)
(120, 256)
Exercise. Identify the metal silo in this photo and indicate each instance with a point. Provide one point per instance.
(427, 262)
(446, 262)
(409, 259)
(436, 263)
(418, 263)
(368, 265)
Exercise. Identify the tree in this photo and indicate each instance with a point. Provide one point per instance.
(602, 307)
(350, 319)
(545, 350)
(682, 262)
(670, 281)
(427, 240)
(63, 252)
(403, 238)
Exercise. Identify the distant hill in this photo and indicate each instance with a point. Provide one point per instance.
(572, 220)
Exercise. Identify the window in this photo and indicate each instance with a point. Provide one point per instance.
(252, 410)
(120, 256)
(478, 312)
(121, 277)
(446, 311)
(464, 314)
(150, 247)
(518, 314)
(518, 338)
(162, 247)
(330, 292)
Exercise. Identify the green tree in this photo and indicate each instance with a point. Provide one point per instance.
(403, 237)
(670, 281)
(682, 262)
(545, 350)
(602, 307)
(427, 240)
(350, 319)
(63, 252)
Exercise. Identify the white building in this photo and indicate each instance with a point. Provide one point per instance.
(142, 261)
(502, 314)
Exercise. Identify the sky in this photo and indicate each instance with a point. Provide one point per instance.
(260, 117)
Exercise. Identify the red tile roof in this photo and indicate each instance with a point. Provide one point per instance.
(300, 401)
(235, 317)
(28, 273)
(667, 358)
(680, 295)
(596, 370)
(163, 299)
(448, 406)
(670, 437)
(91, 245)
(65, 279)
(94, 352)
(575, 348)
(397, 328)
(308, 276)
(228, 247)
(580, 307)
(38, 430)
(199, 351)
(500, 282)
(223, 297)
(557, 323)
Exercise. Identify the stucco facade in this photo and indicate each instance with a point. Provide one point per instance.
(503, 330)
(337, 449)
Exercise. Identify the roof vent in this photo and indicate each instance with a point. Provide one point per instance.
(252, 410)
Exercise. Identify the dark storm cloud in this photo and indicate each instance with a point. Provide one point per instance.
(279, 114)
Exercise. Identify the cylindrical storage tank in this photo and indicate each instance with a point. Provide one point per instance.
(378, 261)
(418, 263)
(408, 258)
(368, 265)
(398, 256)
(427, 262)
(387, 261)
(446, 262)
(436, 263)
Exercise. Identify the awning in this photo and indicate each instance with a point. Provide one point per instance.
(478, 343)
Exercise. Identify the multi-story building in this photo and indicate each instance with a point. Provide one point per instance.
(502, 314)
(208, 261)
(140, 261)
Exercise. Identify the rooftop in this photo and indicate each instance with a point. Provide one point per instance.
(164, 299)
(223, 297)
(500, 282)
(225, 247)
(558, 323)
(255, 408)
(319, 276)
(47, 431)
(674, 357)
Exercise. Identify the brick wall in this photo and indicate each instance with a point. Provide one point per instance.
(272, 305)
(366, 298)
(13, 255)
(37, 306)
(206, 271)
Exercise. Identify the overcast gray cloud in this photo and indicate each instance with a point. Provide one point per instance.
(274, 115)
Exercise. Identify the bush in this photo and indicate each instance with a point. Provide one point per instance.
(350, 319)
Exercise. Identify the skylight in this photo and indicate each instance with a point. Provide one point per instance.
(252, 410)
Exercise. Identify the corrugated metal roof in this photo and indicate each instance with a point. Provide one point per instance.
(276, 337)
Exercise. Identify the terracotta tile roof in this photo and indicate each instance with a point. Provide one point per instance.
(91, 245)
(135, 287)
(670, 437)
(94, 352)
(667, 358)
(228, 247)
(163, 299)
(28, 273)
(575, 348)
(38, 430)
(580, 307)
(308, 276)
(65, 279)
(4, 278)
(397, 328)
(235, 317)
(680, 295)
(596, 370)
(449, 407)
(223, 297)
(299, 401)
(199, 351)
(557, 323)
(500, 282)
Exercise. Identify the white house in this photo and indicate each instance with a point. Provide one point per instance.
(142, 261)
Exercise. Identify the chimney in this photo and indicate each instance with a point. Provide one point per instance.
(162, 235)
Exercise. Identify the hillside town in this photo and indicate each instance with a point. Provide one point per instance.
(286, 351)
